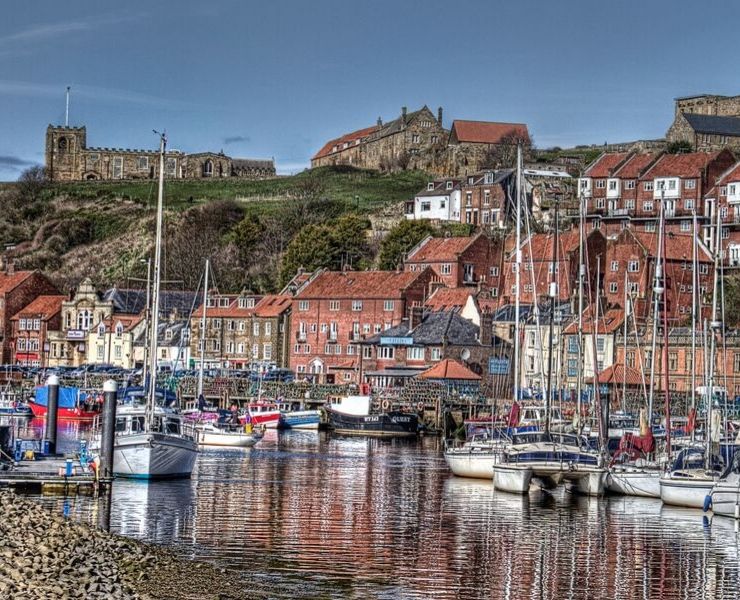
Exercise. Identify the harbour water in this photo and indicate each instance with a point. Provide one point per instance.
(311, 515)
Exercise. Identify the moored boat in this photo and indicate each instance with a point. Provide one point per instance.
(73, 404)
(299, 419)
(351, 416)
(213, 434)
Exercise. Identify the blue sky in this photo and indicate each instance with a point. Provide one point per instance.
(279, 78)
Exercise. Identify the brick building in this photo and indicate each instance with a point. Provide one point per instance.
(242, 330)
(624, 189)
(472, 142)
(635, 253)
(17, 290)
(29, 341)
(485, 198)
(725, 194)
(537, 266)
(334, 311)
(68, 158)
(458, 261)
(707, 122)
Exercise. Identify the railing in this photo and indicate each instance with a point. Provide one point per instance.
(619, 212)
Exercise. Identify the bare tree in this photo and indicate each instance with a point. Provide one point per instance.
(503, 154)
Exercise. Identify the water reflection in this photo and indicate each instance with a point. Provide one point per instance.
(307, 514)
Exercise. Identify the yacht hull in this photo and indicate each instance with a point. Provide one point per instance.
(514, 479)
(228, 439)
(590, 481)
(726, 499)
(689, 492)
(634, 482)
(153, 456)
(477, 465)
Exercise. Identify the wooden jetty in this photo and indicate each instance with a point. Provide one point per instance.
(48, 475)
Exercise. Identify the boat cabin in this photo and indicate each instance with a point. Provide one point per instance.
(135, 423)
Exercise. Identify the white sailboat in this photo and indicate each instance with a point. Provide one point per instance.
(150, 442)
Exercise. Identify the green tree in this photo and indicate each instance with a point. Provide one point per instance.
(313, 248)
(679, 147)
(400, 240)
(246, 236)
(732, 300)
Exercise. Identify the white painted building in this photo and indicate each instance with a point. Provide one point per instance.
(439, 201)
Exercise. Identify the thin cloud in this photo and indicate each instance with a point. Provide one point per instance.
(14, 163)
(113, 95)
(46, 31)
(235, 139)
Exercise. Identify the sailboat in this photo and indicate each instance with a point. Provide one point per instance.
(694, 473)
(548, 456)
(150, 441)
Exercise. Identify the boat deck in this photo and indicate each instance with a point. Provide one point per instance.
(47, 475)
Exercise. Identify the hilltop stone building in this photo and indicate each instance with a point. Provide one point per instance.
(68, 158)
(707, 122)
(418, 140)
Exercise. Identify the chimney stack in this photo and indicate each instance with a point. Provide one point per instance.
(416, 315)
(486, 328)
(10, 266)
(439, 116)
(380, 122)
(403, 114)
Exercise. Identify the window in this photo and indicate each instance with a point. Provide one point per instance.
(650, 227)
(613, 287)
(426, 206)
(84, 319)
(216, 323)
(22, 324)
(367, 352)
(240, 348)
(386, 352)
(486, 198)
(494, 292)
(629, 204)
(615, 265)
(445, 269)
(648, 186)
(572, 344)
(430, 186)
(633, 287)
(242, 326)
(468, 198)
(723, 190)
(415, 138)
(246, 302)
(119, 330)
(21, 344)
(685, 225)
(100, 352)
(600, 344)
(223, 302)
(436, 353)
(596, 224)
(267, 351)
(629, 184)
(303, 305)
(647, 205)
(633, 266)
(600, 202)
(118, 167)
(448, 185)
(443, 203)
(612, 185)
(231, 325)
(255, 329)
(671, 184)
(434, 139)
(230, 348)
(631, 359)
(388, 305)
(731, 189)
(736, 362)
(648, 358)
(493, 271)
(600, 184)
(414, 353)
(725, 233)
(572, 367)
(690, 184)
(704, 269)
(268, 328)
(171, 167)
(356, 305)
(673, 361)
(208, 168)
(217, 345)
(256, 350)
(143, 163)
(688, 204)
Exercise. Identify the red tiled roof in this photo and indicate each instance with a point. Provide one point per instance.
(487, 132)
(449, 369)
(690, 164)
(8, 281)
(541, 244)
(603, 166)
(440, 249)
(732, 174)
(232, 311)
(634, 166)
(328, 148)
(615, 375)
(43, 307)
(272, 305)
(677, 246)
(359, 284)
(609, 322)
(448, 299)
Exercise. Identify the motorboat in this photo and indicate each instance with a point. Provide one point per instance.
(351, 415)
(73, 404)
(263, 413)
(724, 497)
(226, 435)
(299, 419)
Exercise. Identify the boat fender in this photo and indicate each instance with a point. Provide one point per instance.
(385, 405)
(420, 406)
(707, 502)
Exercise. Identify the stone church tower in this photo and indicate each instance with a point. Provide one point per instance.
(64, 148)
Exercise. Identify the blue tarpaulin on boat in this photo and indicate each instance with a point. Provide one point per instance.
(67, 396)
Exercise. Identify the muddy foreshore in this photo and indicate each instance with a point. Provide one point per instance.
(43, 555)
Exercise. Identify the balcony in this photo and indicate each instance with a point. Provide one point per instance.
(619, 212)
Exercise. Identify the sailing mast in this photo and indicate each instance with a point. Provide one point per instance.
(657, 292)
(517, 267)
(581, 275)
(553, 296)
(694, 297)
(157, 276)
(203, 332)
(667, 388)
(627, 309)
(714, 326)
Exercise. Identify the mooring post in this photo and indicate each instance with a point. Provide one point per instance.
(108, 430)
(52, 408)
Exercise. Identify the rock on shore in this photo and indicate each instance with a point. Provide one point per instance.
(43, 555)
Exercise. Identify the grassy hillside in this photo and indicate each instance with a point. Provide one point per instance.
(104, 229)
(360, 189)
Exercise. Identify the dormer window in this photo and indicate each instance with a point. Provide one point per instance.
(101, 330)
(211, 302)
(119, 330)
(449, 185)
(223, 302)
(489, 177)
(470, 180)
(430, 186)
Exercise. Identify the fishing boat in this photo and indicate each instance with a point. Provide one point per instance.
(229, 436)
(73, 404)
(264, 413)
(150, 442)
(351, 415)
(299, 419)
(11, 405)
